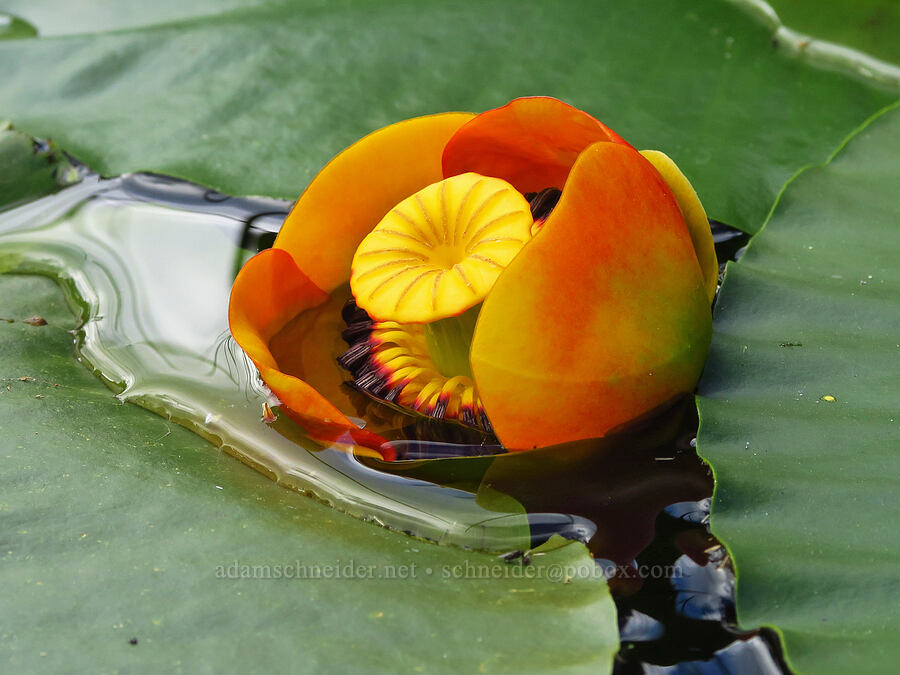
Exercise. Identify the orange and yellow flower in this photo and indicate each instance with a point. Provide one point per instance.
(481, 303)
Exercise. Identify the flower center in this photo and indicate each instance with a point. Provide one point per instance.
(418, 280)
(446, 256)
(438, 252)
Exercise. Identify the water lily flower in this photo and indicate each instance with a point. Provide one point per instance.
(524, 271)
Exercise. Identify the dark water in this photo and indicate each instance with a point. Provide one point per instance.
(150, 261)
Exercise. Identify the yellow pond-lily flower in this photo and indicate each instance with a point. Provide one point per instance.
(524, 271)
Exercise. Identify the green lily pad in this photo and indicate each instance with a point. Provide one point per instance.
(871, 26)
(799, 412)
(255, 98)
(13, 28)
(855, 38)
(30, 169)
(119, 524)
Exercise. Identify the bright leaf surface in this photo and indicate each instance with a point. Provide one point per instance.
(799, 412)
(256, 100)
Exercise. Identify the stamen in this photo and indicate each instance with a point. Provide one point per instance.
(391, 362)
(542, 203)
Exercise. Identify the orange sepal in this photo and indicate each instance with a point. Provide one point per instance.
(601, 317)
(694, 217)
(269, 291)
(352, 193)
(530, 142)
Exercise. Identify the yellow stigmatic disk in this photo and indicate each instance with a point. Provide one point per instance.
(438, 252)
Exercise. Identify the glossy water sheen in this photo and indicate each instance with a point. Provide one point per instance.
(153, 281)
(150, 262)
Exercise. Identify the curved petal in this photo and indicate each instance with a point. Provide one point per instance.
(355, 189)
(694, 217)
(530, 142)
(270, 291)
(308, 347)
(601, 317)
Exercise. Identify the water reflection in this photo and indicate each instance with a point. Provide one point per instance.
(621, 483)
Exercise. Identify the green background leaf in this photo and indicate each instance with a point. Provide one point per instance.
(13, 28)
(871, 26)
(115, 521)
(806, 489)
(30, 171)
(256, 100)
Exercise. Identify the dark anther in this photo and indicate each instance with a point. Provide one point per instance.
(486, 423)
(543, 202)
(468, 417)
(354, 357)
(348, 310)
(359, 327)
(355, 331)
(439, 408)
(373, 378)
(391, 396)
(374, 384)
